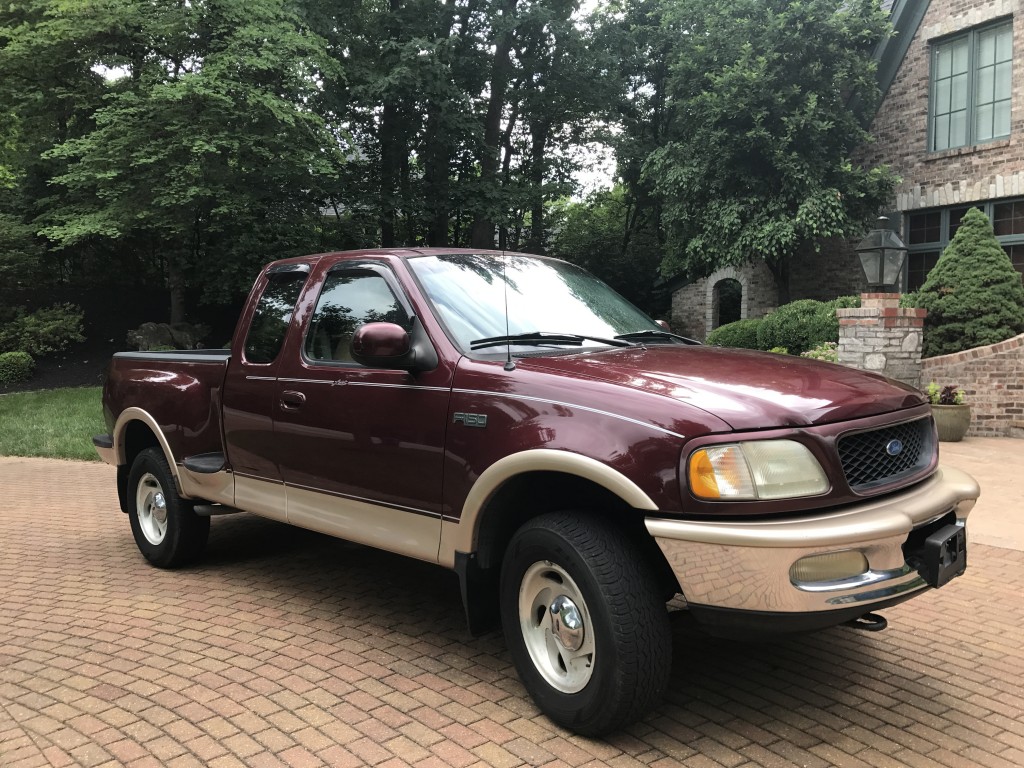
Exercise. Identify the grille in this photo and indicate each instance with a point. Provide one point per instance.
(867, 463)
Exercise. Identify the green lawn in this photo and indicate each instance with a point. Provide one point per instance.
(56, 423)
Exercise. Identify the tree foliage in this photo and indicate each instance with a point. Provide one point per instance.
(762, 105)
(973, 294)
(181, 144)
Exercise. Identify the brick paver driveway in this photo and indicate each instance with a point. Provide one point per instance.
(285, 647)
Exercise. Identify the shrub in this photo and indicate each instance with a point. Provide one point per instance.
(802, 325)
(46, 330)
(827, 351)
(15, 367)
(742, 334)
(973, 295)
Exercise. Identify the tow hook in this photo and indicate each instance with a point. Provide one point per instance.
(869, 622)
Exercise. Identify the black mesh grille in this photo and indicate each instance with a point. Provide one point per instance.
(868, 459)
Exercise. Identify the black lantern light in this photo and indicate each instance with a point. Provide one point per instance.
(882, 254)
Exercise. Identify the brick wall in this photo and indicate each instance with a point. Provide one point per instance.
(966, 174)
(833, 270)
(694, 305)
(993, 378)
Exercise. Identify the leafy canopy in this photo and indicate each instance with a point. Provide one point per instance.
(767, 100)
(973, 295)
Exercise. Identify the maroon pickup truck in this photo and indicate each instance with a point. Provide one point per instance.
(512, 418)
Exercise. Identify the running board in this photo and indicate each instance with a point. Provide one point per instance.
(205, 463)
(212, 510)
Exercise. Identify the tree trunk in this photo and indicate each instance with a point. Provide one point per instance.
(482, 235)
(390, 151)
(538, 149)
(438, 150)
(176, 287)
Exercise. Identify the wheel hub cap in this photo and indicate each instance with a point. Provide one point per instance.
(159, 508)
(566, 623)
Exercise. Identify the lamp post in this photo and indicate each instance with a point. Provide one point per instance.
(882, 254)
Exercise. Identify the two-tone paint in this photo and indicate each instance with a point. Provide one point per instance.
(442, 464)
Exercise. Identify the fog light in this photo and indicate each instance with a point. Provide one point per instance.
(831, 566)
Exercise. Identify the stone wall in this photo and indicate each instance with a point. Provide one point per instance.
(965, 174)
(694, 305)
(882, 337)
(993, 378)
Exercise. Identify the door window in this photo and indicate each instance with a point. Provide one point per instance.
(349, 300)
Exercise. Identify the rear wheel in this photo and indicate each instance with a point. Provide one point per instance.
(167, 530)
(583, 621)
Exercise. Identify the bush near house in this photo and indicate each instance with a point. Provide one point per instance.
(796, 328)
(803, 325)
(741, 334)
(973, 295)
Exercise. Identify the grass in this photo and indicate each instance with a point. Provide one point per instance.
(54, 423)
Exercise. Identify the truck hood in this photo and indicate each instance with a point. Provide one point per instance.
(746, 389)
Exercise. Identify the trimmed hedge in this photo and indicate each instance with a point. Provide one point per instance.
(742, 334)
(803, 325)
(15, 367)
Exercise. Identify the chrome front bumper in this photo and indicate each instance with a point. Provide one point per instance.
(745, 565)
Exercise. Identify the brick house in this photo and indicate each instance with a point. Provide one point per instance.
(950, 124)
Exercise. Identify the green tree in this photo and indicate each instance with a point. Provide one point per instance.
(590, 234)
(208, 149)
(973, 294)
(757, 115)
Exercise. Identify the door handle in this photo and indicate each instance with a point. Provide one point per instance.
(292, 400)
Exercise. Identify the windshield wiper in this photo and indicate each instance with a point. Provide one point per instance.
(652, 335)
(537, 338)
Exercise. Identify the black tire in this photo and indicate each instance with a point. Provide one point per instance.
(167, 530)
(620, 672)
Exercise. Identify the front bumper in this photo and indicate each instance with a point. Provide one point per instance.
(744, 566)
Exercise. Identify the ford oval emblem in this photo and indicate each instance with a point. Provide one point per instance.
(894, 448)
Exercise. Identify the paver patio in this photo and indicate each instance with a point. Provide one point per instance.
(290, 648)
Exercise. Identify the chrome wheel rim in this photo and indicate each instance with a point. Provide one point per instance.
(151, 508)
(556, 627)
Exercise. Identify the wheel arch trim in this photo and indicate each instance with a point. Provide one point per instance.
(127, 416)
(462, 536)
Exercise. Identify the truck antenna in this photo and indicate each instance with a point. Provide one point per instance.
(509, 365)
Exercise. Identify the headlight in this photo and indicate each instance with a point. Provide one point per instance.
(758, 469)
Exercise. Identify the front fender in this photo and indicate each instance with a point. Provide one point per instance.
(462, 536)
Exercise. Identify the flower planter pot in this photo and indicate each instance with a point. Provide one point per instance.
(952, 421)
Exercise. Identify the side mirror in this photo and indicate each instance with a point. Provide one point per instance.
(663, 325)
(387, 345)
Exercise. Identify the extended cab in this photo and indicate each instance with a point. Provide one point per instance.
(510, 417)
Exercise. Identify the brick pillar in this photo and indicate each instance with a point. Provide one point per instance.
(881, 337)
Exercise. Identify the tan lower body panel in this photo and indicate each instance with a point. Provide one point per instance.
(405, 533)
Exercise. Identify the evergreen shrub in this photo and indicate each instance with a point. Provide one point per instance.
(803, 325)
(51, 329)
(15, 367)
(973, 295)
(742, 334)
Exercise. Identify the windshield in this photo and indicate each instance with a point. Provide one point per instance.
(469, 292)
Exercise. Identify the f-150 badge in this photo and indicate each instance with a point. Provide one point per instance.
(471, 419)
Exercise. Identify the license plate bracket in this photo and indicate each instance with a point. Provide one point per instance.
(944, 555)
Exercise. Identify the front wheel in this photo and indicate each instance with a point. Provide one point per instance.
(584, 623)
(167, 530)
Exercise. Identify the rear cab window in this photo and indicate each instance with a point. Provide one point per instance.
(273, 313)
